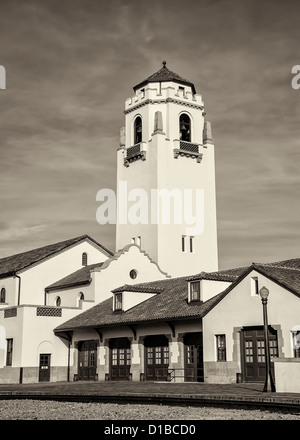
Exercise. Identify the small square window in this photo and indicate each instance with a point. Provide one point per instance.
(221, 347)
(195, 291)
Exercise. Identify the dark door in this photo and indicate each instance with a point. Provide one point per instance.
(253, 353)
(44, 368)
(157, 357)
(193, 367)
(120, 359)
(87, 362)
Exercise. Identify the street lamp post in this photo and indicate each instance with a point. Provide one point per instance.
(269, 386)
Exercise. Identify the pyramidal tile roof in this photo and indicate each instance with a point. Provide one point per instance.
(163, 75)
(14, 263)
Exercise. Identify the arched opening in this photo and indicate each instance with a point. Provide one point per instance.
(185, 127)
(138, 130)
(2, 295)
(84, 259)
(58, 301)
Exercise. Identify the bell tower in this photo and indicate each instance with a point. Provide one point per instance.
(166, 176)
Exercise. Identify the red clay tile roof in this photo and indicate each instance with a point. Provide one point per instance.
(14, 263)
(163, 75)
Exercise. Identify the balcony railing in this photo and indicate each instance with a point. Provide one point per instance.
(188, 146)
(187, 149)
(137, 151)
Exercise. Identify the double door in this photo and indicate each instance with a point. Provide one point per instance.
(87, 360)
(193, 346)
(253, 353)
(120, 359)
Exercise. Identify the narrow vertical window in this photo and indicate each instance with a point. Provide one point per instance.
(84, 259)
(9, 352)
(183, 243)
(118, 301)
(221, 348)
(138, 130)
(191, 244)
(2, 295)
(195, 291)
(185, 128)
(254, 286)
(58, 301)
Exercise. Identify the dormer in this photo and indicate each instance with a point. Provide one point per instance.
(204, 286)
(128, 296)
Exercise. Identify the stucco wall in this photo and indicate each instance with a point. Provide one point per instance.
(287, 375)
(35, 279)
(239, 309)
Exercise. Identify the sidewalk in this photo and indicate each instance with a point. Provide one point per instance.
(243, 394)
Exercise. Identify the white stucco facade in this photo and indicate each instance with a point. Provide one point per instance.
(162, 169)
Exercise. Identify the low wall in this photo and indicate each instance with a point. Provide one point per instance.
(287, 375)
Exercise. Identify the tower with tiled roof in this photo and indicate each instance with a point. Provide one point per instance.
(166, 176)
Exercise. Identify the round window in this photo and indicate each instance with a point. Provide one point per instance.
(133, 274)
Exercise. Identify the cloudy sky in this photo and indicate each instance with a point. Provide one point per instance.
(70, 65)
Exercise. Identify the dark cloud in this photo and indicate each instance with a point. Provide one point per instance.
(71, 65)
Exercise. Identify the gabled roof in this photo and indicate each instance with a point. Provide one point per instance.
(221, 275)
(164, 75)
(143, 288)
(172, 301)
(170, 304)
(14, 263)
(78, 278)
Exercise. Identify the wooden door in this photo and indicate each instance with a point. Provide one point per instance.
(120, 359)
(44, 368)
(157, 357)
(87, 360)
(193, 365)
(253, 353)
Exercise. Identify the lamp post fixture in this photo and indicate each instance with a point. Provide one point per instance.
(269, 386)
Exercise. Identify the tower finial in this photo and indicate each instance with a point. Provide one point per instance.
(164, 63)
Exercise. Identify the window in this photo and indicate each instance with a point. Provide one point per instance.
(58, 301)
(2, 295)
(84, 259)
(118, 301)
(138, 130)
(133, 274)
(254, 286)
(221, 348)
(183, 243)
(191, 244)
(81, 296)
(195, 291)
(185, 128)
(296, 343)
(9, 352)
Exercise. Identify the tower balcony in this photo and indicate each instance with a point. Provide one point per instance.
(187, 149)
(136, 152)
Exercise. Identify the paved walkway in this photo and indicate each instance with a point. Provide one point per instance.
(154, 392)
